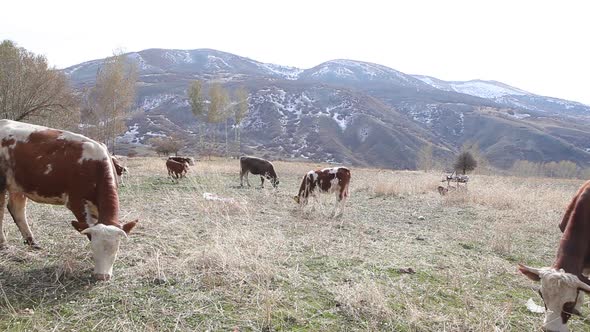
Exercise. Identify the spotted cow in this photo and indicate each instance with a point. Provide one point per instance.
(59, 167)
(328, 180)
(120, 170)
(563, 284)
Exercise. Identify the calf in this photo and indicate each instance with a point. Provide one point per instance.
(59, 167)
(176, 169)
(257, 166)
(189, 160)
(562, 282)
(335, 179)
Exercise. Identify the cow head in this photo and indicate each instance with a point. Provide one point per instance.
(274, 181)
(561, 292)
(104, 242)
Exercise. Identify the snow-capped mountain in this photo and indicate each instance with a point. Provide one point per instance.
(351, 112)
(509, 96)
(349, 71)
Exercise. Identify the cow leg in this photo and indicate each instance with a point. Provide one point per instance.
(2, 207)
(262, 182)
(340, 201)
(247, 181)
(241, 178)
(17, 204)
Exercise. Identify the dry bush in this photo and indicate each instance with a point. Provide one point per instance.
(403, 183)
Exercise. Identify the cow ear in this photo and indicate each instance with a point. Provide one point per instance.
(129, 226)
(584, 287)
(531, 273)
(79, 226)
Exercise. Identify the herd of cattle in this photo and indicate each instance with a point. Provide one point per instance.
(58, 167)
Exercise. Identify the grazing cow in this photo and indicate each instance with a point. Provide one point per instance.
(562, 282)
(176, 169)
(442, 190)
(189, 160)
(335, 179)
(59, 167)
(120, 170)
(257, 166)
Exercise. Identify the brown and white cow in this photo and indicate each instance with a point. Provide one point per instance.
(189, 160)
(562, 284)
(329, 180)
(257, 166)
(120, 170)
(59, 167)
(176, 169)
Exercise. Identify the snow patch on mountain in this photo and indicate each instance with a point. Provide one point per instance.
(289, 73)
(485, 89)
(155, 101)
(215, 62)
(131, 135)
(141, 63)
(478, 88)
(179, 56)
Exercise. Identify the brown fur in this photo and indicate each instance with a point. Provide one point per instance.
(573, 254)
(258, 166)
(321, 180)
(119, 168)
(189, 161)
(176, 169)
(46, 166)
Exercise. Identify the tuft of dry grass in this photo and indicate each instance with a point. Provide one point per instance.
(401, 258)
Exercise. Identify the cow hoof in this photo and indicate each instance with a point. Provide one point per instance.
(31, 243)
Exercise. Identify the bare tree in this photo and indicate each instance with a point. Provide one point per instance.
(112, 96)
(31, 91)
(425, 159)
(240, 112)
(167, 145)
(214, 110)
(465, 162)
(217, 110)
(198, 107)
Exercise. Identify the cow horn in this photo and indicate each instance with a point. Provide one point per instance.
(534, 270)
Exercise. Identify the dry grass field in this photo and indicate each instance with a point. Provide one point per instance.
(402, 258)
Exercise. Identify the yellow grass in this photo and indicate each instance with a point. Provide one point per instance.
(261, 263)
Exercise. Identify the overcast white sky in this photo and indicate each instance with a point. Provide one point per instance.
(539, 46)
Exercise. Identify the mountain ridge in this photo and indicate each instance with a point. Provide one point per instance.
(358, 103)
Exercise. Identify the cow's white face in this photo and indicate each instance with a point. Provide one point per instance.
(561, 292)
(105, 245)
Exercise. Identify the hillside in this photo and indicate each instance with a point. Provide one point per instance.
(353, 112)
